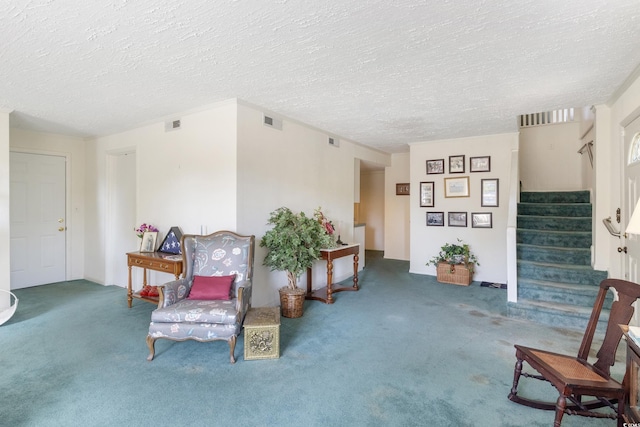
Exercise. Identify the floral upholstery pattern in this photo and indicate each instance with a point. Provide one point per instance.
(177, 318)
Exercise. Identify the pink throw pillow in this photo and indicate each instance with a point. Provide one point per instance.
(211, 288)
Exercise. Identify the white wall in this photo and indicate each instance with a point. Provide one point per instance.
(549, 159)
(73, 149)
(297, 168)
(372, 199)
(185, 178)
(489, 245)
(5, 251)
(397, 210)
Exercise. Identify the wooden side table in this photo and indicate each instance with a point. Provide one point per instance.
(326, 294)
(156, 261)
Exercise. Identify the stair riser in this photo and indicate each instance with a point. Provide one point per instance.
(556, 224)
(561, 275)
(541, 209)
(558, 239)
(555, 197)
(551, 255)
(554, 318)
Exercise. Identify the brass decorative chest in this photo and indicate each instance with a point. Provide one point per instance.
(262, 333)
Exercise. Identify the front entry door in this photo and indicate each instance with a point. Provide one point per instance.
(38, 222)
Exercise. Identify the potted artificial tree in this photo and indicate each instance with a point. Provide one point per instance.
(293, 245)
(455, 263)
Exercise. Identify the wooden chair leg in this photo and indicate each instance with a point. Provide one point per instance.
(151, 344)
(516, 378)
(232, 348)
(561, 404)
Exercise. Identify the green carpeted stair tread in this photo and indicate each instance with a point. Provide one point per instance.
(577, 256)
(563, 273)
(567, 293)
(580, 196)
(556, 209)
(567, 239)
(556, 223)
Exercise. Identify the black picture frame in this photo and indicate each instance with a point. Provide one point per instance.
(456, 164)
(482, 220)
(480, 164)
(435, 219)
(490, 193)
(457, 219)
(435, 166)
(171, 242)
(427, 199)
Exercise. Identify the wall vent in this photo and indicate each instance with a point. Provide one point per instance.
(272, 122)
(170, 125)
(335, 142)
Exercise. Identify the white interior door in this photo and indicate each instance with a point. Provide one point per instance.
(632, 189)
(38, 219)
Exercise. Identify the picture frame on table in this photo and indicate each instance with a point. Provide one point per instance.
(489, 192)
(480, 164)
(148, 243)
(457, 219)
(481, 220)
(456, 164)
(426, 194)
(456, 187)
(435, 219)
(435, 166)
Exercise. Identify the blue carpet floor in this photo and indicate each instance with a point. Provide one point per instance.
(403, 351)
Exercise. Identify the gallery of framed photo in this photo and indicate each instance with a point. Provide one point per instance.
(456, 187)
(435, 219)
(435, 166)
(457, 219)
(489, 192)
(480, 164)
(456, 164)
(482, 220)
(148, 243)
(426, 194)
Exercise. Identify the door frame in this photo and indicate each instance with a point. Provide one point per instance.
(70, 222)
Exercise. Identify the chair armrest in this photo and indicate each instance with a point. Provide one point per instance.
(172, 292)
(243, 293)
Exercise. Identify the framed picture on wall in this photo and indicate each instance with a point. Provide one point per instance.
(480, 164)
(456, 164)
(481, 220)
(457, 219)
(489, 192)
(435, 166)
(456, 187)
(435, 219)
(426, 194)
(402, 189)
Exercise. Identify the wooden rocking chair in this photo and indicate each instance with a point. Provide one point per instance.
(575, 377)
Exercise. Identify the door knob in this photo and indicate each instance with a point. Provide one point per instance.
(60, 220)
(60, 228)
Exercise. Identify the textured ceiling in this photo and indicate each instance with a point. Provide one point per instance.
(383, 73)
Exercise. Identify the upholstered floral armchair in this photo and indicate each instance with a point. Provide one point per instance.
(210, 301)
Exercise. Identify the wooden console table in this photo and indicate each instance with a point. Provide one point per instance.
(151, 261)
(326, 294)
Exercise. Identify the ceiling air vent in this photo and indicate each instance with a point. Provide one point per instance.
(170, 125)
(272, 122)
(334, 142)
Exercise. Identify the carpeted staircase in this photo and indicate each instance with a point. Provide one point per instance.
(556, 284)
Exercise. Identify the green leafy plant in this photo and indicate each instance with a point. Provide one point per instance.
(294, 243)
(455, 254)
